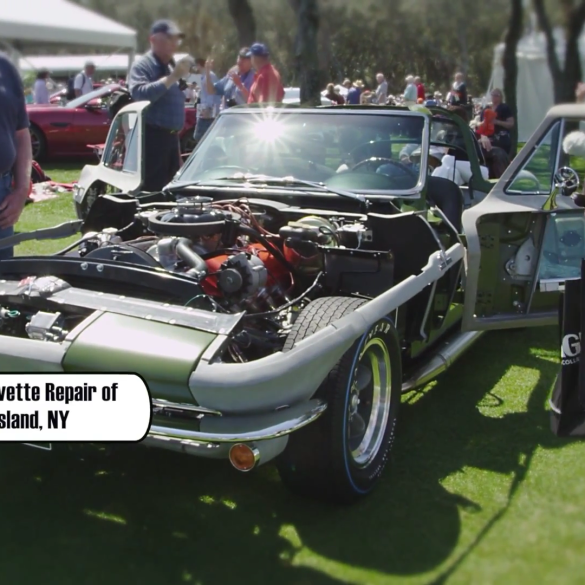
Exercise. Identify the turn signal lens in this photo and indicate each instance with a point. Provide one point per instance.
(244, 457)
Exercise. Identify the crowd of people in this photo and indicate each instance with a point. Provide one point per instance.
(491, 121)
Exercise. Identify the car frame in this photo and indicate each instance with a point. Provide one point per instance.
(434, 292)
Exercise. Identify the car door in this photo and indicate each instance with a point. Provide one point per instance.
(526, 237)
(122, 162)
(92, 123)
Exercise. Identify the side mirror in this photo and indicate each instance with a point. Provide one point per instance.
(566, 182)
(94, 105)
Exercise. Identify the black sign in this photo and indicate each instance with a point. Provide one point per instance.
(568, 398)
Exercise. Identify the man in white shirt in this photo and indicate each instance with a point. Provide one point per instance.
(410, 94)
(84, 80)
(382, 89)
(40, 90)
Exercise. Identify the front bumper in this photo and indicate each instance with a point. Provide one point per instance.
(188, 428)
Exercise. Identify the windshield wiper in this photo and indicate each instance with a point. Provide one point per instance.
(268, 180)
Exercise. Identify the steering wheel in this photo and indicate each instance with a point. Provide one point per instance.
(567, 180)
(378, 159)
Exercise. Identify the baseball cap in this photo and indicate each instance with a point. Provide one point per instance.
(245, 53)
(259, 50)
(167, 27)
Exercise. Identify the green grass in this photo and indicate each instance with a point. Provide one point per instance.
(478, 491)
(50, 212)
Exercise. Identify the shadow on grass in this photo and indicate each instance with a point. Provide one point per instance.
(138, 515)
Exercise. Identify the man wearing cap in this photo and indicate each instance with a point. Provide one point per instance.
(15, 151)
(153, 78)
(83, 82)
(236, 85)
(267, 86)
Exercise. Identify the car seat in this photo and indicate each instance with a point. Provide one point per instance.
(448, 197)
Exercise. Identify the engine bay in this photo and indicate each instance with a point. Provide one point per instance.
(259, 259)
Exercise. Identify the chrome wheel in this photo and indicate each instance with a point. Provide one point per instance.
(369, 402)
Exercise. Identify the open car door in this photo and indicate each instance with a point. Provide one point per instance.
(122, 161)
(527, 237)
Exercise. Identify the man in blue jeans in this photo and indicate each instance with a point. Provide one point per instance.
(15, 151)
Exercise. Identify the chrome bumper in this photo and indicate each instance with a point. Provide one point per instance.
(215, 428)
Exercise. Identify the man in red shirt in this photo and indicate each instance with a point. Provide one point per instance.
(267, 86)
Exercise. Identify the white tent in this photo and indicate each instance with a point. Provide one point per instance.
(535, 86)
(65, 65)
(62, 22)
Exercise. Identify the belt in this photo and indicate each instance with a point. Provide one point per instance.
(163, 129)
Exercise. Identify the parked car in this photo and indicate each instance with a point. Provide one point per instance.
(280, 297)
(72, 129)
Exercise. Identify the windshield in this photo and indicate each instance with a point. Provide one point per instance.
(96, 93)
(357, 151)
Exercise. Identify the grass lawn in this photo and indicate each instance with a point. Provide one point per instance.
(478, 491)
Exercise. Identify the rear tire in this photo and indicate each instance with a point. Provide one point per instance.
(340, 457)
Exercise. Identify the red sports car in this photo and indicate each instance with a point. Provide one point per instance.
(71, 130)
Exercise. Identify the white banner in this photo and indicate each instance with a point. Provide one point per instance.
(74, 407)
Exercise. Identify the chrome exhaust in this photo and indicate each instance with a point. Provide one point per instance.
(447, 354)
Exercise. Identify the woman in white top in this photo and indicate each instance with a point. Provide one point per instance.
(40, 90)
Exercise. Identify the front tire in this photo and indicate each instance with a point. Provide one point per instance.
(341, 456)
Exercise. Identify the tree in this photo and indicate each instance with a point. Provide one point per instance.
(510, 62)
(243, 17)
(307, 49)
(566, 78)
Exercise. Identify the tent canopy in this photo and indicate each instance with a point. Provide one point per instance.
(534, 89)
(60, 21)
(64, 65)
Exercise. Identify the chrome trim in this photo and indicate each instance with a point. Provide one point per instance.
(553, 407)
(167, 404)
(270, 432)
(35, 446)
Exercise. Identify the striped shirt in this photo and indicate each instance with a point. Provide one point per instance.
(167, 108)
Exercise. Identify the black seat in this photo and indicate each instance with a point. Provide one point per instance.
(447, 196)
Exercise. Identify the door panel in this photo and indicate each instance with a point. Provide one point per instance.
(524, 239)
(91, 128)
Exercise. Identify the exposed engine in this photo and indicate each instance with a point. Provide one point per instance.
(229, 248)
